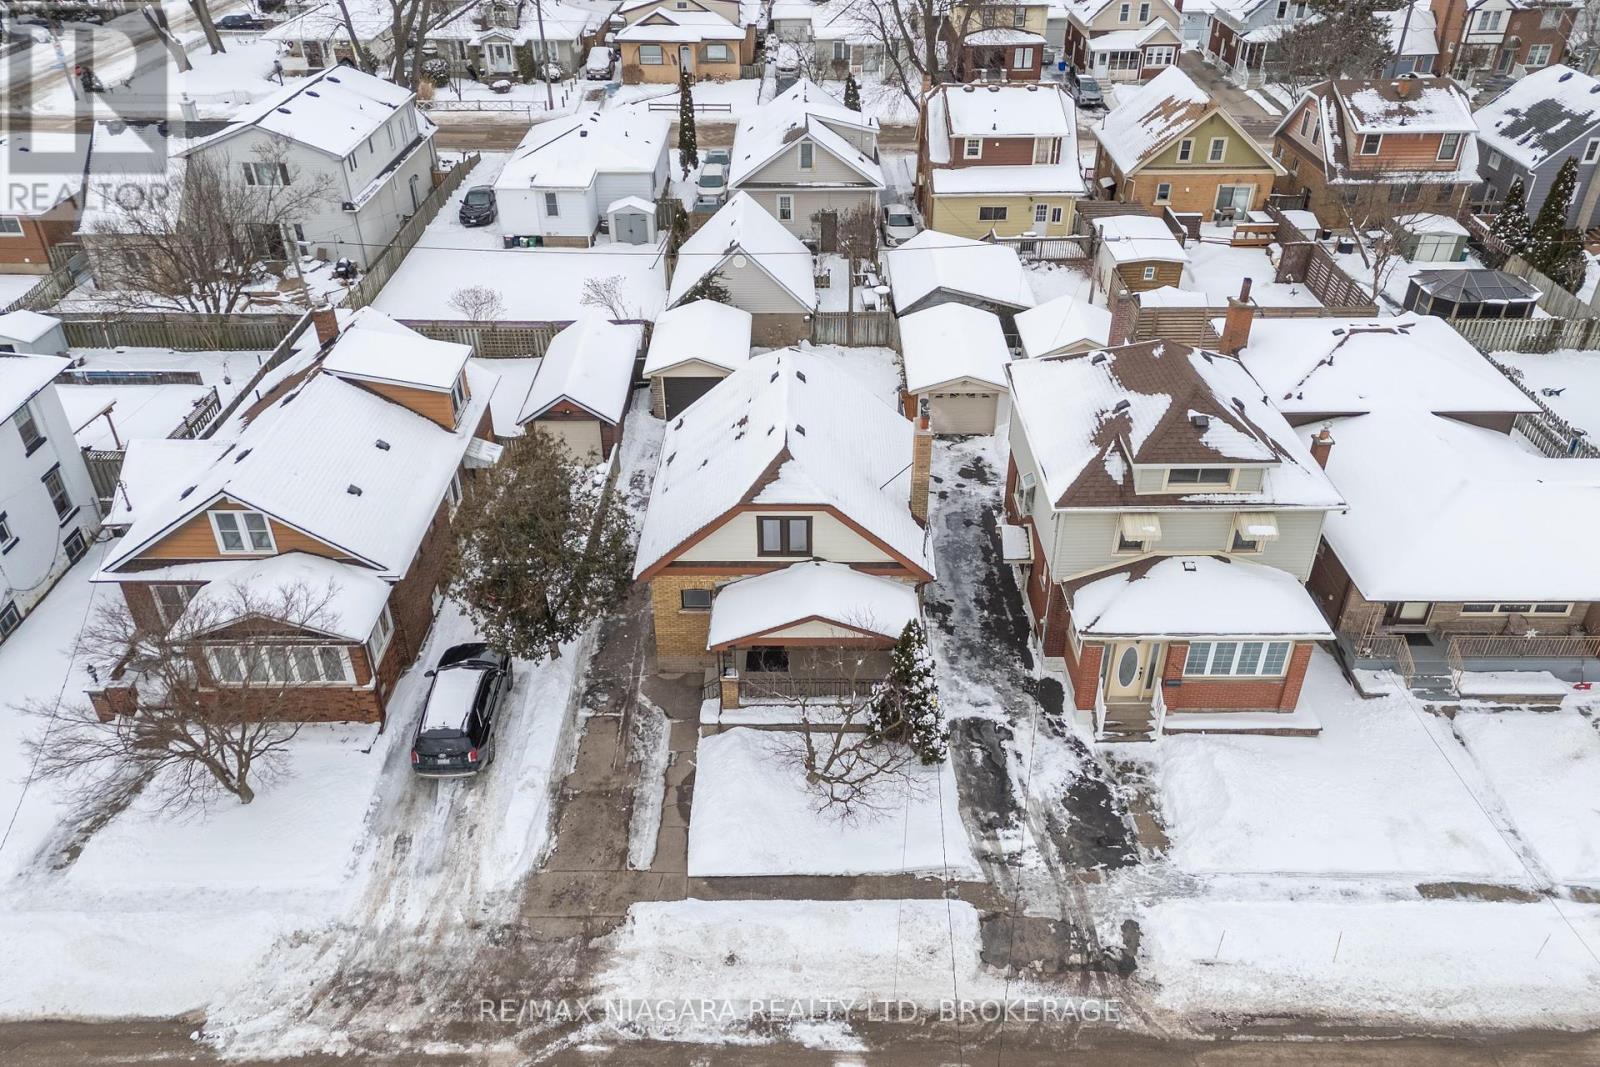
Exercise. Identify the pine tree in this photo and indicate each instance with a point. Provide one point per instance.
(1549, 246)
(1511, 225)
(688, 150)
(711, 287)
(906, 707)
(852, 93)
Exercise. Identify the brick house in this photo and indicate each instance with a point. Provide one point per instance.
(1356, 148)
(659, 45)
(1169, 144)
(1510, 38)
(1171, 517)
(786, 463)
(1122, 40)
(998, 40)
(42, 176)
(580, 394)
(1455, 526)
(343, 481)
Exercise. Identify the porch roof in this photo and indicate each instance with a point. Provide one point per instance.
(808, 592)
(1196, 596)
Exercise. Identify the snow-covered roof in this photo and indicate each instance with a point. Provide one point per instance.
(1150, 116)
(21, 377)
(153, 468)
(1430, 222)
(334, 111)
(561, 22)
(1002, 35)
(665, 24)
(744, 229)
(1477, 286)
(1170, 296)
(569, 152)
(1138, 239)
(1540, 114)
(1031, 110)
(814, 590)
(1416, 36)
(1442, 510)
(590, 364)
(39, 169)
(1064, 178)
(1088, 417)
(537, 285)
(1197, 596)
(374, 348)
(347, 599)
(371, 19)
(802, 110)
(334, 460)
(1430, 105)
(952, 341)
(1056, 324)
(933, 261)
(1338, 366)
(1130, 40)
(25, 325)
(701, 330)
(1427, 105)
(788, 427)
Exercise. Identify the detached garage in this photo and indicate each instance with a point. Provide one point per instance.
(580, 394)
(693, 347)
(955, 359)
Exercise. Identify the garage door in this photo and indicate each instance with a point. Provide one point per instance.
(582, 436)
(963, 412)
(681, 392)
(1433, 247)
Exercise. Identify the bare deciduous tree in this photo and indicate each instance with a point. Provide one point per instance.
(479, 304)
(216, 698)
(606, 294)
(857, 238)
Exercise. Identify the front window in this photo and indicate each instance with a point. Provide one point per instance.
(239, 665)
(694, 600)
(650, 55)
(991, 214)
(58, 492)
(1022, 59)
(1488, 21)
(717, 53)
(1539, 55)
(242, 532)
(783, 535)
(171, 601)
(270, 173)
(973, 148)
(1218, 659)
(10, 226)
(1184, 477)
(1516, 608)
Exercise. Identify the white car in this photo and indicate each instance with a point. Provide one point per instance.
(899, 224)
(711, 187)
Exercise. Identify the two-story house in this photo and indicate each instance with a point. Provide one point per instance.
(1449, 530)
(1413, 35)
(341, 485)
(48, 516)
(1509, 38)
(808, 160)
(42, 177)
(1169, 144)
(1359, 149)
(999, 159)
(360, 137)
(1529, 131)
(998, 40)
(1243, 33)
(786, 524)
(1172, 516)
(1122, 40)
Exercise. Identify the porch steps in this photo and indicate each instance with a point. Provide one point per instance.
(1427, 685)
(1127, 723)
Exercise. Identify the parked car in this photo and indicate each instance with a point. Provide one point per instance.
(240, 22)
(601, 63)
(455, 736)
(1086, 91)
(711, 188)
(899, 224)
(478, 207)
(716, 155)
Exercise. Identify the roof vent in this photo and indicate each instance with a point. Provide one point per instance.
(383, 446)
(671, 457)
(241, 455)
(185, 494)
(1565, 77)
(1189, 566)
(801, 430)
(969, 88)
(1121, 405)
(285, 110)
(1200, 422)
(353, 490)
(583, 133)
(332, 79)
(312, 92)
(678, 425)
(994, 88)
(774, 377)
(1100, 357)
(800, 374)
(1033, 87)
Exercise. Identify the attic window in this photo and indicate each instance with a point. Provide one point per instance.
(353, 490)
(383, 446)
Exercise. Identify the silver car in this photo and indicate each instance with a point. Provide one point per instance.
(899, 224)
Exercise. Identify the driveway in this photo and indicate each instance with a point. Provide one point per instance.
(1250, 115)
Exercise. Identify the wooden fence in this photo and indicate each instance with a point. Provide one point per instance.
(1529, 335)
(45, 294)
(498, 340)
(105, 467)
(386, 262)
(185, 332)
(1556, 299)
(877, 328)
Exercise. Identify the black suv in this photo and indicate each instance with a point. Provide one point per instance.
(455, 737)
(478, 206)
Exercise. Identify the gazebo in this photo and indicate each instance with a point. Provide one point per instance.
(1471, 294)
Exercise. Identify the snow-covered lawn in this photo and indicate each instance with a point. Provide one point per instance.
(1575, 374)
(1545, 769)
(1397, 277)
(754, 815)
(742, 95)
(1218, 270)
(1050, 280)
(1370, 796)
(14, 287)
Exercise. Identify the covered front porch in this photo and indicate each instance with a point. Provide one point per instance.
(1520, 668)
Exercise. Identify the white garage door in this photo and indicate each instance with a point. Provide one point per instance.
(582, 436)
(1433, 247)
(963, 412)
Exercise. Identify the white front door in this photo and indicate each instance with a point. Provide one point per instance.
(686, 56)
(1130, 670)
(1102, 64)
(500, 57)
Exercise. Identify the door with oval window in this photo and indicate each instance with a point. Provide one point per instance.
(1130, 670)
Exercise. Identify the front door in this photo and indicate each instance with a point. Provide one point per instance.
(500, 57)
(686, 57)
(1102, 64)
(1130, 672)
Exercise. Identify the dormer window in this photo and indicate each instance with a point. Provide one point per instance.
(807, 155)
(242, 533)
(458, 396)
(1203, 477)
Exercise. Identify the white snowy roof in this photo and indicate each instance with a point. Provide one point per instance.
(375, 348)
(1429, 222)
(349, 598)
(1198, 596)
(952, 341)
(802, 110)
(1442, 510)
(333, 110)
(1338, 366)
(1149, 116)
(590, 363)
(1064, 177)
(569, 152)
(561, 22)
(326, 22)
(788, 427)
(1170, 296)
(153, 469)
(702, 330)
(40, 169)
(1417, 36)
(537, 285)
(1138, 239)
(816, 589)
(933, 261)
(25, 325)
(1002, 35)
(1129, 40)
(1033, 110)
(1430, 105)
(743, 230)
(1540, 113)
(23, 376)
(684, 26)
(314, 462)
(1064, 321)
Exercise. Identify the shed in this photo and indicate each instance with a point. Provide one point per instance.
(31, 333)
(1429, 238)
(1471, 294)
(1068, 324)
(580, 394)
(632, 221)
(936, 268)
(692, 348)
(955, 359)
(1138, 251)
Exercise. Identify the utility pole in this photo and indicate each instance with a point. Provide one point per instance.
(544, 58)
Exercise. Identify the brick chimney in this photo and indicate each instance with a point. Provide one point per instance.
(1124, 319)
(921, 464)
(1321, 445)
(1236, 325)
(326, 324)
